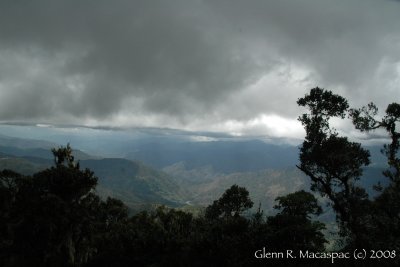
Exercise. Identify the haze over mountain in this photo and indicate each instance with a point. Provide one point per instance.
(188, 86)
(169, 167)
(199, 106)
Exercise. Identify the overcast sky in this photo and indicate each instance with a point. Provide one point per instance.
(230, 66)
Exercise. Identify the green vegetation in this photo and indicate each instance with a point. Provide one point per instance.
(54, 216)
(335, 164)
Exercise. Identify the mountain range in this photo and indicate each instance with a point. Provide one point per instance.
(180, 172)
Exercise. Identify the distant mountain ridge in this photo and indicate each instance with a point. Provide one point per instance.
(43, 153)
(133, 182)
(223, 156)
(193, 173)
(22, 143)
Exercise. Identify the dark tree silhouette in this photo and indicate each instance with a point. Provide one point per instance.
(292, 227)
(232, 203)
(385, 222)
(300, 203)
(53, 218)
(332, 162)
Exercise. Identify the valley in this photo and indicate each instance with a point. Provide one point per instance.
(175, 171)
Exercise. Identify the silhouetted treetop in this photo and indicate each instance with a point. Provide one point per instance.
(232, 203)
(324, 103)
(299, 203)
(334, 164)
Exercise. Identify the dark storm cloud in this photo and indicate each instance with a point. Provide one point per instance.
(196, 63)
(164, 54)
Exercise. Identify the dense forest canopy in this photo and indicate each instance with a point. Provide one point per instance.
(55, 218)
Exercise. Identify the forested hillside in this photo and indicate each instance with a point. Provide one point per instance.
(54, 211)
(54, 218)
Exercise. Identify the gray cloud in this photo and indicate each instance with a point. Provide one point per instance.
(191, 64)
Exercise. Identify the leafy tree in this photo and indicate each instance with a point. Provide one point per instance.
(333, 163)
(292, 227)
(232, 203)
(63, 156)
(227, 232)
(385, 222)
(50, 215)
(300, 203)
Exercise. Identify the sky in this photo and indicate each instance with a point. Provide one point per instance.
(234, 66)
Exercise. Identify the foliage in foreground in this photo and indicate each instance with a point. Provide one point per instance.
(335, 164)
(55, 218)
